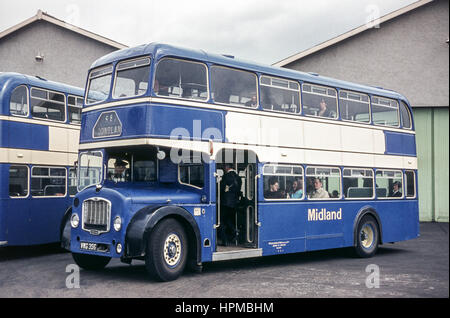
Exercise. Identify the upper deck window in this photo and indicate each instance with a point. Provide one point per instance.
(74, 106)
(18, 105)
(181, 79)
(234, 87)
(48, 105)
(385, 111)
(99, 85)
(132, 78)
(280, 95)
(319, 101)
(406, 116)
(354, 106)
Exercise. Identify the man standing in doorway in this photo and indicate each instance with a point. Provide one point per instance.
(230, 191)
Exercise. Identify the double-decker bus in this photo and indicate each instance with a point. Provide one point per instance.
(322, 163)
(39, 136)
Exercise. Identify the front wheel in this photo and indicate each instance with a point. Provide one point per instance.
(91, 262)
(167, 251)
(368, 237)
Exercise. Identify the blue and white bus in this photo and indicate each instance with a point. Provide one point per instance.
(323, 163)
(39, 136)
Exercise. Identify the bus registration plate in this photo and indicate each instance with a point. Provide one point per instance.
(88, 246)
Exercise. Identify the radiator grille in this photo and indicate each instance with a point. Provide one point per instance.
(96, 216)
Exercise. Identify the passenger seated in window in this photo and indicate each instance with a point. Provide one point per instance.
(274, 190)
(318, 192)
(396, 193)
(252, 102)
(323, 109)
(297, 189)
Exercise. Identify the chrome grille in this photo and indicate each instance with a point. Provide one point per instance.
(96, 215)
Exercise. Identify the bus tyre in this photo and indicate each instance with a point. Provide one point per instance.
(91, 262)
(368, 237)
(167, 251)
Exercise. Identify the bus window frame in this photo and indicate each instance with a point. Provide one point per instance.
(187, 184)
(340, 183)
(355, 121)
(116, 71)
(28, 182)
(400, 102)
(76, 181)
(208, 92)
(48, 100)
(74, 106)
(49, 177)
(28, 101)
(398, 111)
(257, 106)
(403, 185)
(337, 118)
(299, 91)
(406, 184)
(89, 82)
(103, 174)
(373, 183)
(284, 175)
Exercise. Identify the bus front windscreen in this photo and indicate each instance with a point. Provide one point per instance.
(90, 168)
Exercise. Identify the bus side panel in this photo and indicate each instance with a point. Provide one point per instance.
(325, 224)
(3, 202)
(45, 218)
(15, 213)
(205, 222)
(400, 220)
(283, 228)
(28, 136)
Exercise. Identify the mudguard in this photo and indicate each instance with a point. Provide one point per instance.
(146, 219)
(65, 229)
(367, 210)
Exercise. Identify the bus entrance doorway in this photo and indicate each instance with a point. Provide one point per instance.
(236, 228)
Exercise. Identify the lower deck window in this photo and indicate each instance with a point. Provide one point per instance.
(18, 181)
(48, 182)
(132, 166)
(192, 174)
(389, 184)
(358, 183)
(323, 183)
(283, 182)
(410, 179)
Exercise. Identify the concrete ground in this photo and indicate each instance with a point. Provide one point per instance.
(417, 268)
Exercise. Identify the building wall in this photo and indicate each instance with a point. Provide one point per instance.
(67, 55)
(432, 127)
(408, 54)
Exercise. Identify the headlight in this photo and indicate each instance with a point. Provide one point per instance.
(74, 220)
(117, 224)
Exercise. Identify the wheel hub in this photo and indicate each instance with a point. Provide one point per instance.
(172, 250)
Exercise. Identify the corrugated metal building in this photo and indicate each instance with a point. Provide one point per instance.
(53, 49)
(407, 51)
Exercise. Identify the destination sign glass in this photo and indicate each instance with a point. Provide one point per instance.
(108, 125)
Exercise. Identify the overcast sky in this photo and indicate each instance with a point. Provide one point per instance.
(265, 31)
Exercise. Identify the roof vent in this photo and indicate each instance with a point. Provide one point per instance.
(229, 56)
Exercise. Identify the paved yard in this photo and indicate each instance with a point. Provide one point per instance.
(417, 268)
